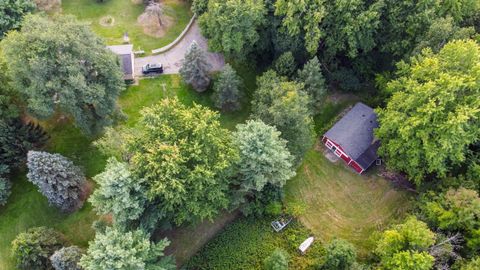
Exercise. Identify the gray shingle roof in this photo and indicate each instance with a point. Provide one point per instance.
(354, 132)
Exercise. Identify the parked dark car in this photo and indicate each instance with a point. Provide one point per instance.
(152, 68)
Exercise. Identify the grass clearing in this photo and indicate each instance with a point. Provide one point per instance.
(343, 204)
(125, 14)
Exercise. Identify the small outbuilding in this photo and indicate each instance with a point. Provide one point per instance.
(352, 138)
(127, 60)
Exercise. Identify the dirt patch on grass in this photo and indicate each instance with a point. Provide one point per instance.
(151, 25)
(49, 5)
(107, 21)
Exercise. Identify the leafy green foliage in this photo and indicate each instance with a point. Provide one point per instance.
(227, 93)
(341, 255)
(429, 123)
(8, 109)
(456, 210)
(314, 83)
(12, 13)
(80, 78)
(195, 68)
(264, 158)
(67, 258)
(351, 26)
(232, 26)
(185, 156)
(119, 193)
(303, 17)
(440, 32)
(33, 248)
(57, 178)
(244, 245)
(285, 65)
(284, 105)
(404, 246)
(472, 265)
(116, 249)
(277, 261)
(199, 6)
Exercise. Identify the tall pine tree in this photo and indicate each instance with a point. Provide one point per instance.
(227, 90)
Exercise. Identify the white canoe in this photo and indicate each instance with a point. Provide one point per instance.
(306, 244)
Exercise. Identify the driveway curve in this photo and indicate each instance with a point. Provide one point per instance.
(172, 58)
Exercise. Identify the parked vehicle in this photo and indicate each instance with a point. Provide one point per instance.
(152, 68)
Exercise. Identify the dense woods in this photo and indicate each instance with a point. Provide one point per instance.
(178, 165)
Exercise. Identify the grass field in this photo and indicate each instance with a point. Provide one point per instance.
(341, 203)
(125, 14)
(27, 208)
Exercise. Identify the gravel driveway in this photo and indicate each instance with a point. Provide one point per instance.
(171, 59)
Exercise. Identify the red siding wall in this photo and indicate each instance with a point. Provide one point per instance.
(346, 158)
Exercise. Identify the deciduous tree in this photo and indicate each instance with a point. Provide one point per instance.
(60, 65)
(264, 157)
(431, 119)
(227, 93)
(284, 105)
(57, 178)
(341, 255)
(195, 68)
(117, 249)
(405, 246)
(232, 26)
(277, 261)
(33, 248)
(185, 157)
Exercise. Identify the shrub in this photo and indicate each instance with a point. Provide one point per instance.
(5, 190)
(341, 255)
(32, 249)
(277, 261)
(66, 258)
(57, 178)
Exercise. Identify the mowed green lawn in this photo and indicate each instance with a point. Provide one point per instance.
(125, 14)
(27, 208)
(343, 204)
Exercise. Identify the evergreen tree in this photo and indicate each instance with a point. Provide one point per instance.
(5, 185)
(285, 65)
(12, 13)
(119, 250)
(67, 258)
(195, 68)
(119, 193)
(227, 90)
(33, 248)
(57, 178)
(277, 261)
(80, 78)
(264, 157)
(314, 83)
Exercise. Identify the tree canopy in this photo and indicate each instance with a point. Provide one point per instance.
(117, 249)
(60, 65)
(227, 92)
(185, 157)
(341, 255)
(232, 26)
(195, 68)
(264, 157)
(432, 118)
(12, 13)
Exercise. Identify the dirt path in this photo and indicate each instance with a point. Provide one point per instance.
(187, 241)
(171, 59)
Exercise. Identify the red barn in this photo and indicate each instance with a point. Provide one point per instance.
(352, 139)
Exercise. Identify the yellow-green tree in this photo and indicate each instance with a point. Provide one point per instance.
(431, 120)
